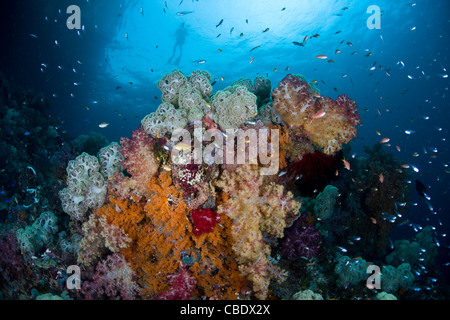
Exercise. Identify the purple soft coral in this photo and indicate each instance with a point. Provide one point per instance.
(113, 278)
(302, 240)
(181, 287)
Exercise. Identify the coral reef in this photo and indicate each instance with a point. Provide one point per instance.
(113, 279)
(325, 201)
(140, 163)
(86, 187)
(233, 106)
(255, 209)
(393, 278)
(185, 99)
(110, 160)
(261, 88)
(328, 123)
(143, 226)
(307, 295)
(33, 238)
(302, 240)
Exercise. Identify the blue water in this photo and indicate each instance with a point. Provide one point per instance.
(107, 72)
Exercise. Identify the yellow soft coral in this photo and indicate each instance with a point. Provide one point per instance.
(254, 208)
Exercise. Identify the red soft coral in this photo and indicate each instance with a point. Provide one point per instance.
(204, 221)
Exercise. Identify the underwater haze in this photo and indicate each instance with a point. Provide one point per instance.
(380, 196)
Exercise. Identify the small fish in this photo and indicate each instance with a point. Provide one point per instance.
(219, 23)
(337, 32)
(183, 147)
(219, 50)
(103, 125)
(222, 78)
(27, 133)
(346, 164)
(374, 221)
(350, 44)
(409, 131)
(241, 35)
(406, 166)
(214, 82)
(331, 61)
(319, 114)
(398, 148)
(287, 68)
(199, 61)
(385, 140)
(337, 51)
(166, 167)
(297, 43)
(231, 30)
(254, 48)
(246, 21)
(218, 35)
(265, 30)
(305, 39)
(381, 178)
(33, 35)
(283, 9)
(368, 55)
(251, 60)
(275, 70)
(87, 108)
(321, 56)
(316, 36)
(282, 173)
(183, 13)
(342, 249)
(142, 11)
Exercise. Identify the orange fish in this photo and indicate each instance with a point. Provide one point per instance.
(346, 164)
(374, 221)
(381, 178)
(398, 148)
(406, 166)
(321, 56)
(319, 114)
(337, 173)
(385, 140)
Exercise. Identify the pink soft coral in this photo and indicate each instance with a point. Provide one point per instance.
(113, 278)
(328, 123)
(181, 286)
(140, 163)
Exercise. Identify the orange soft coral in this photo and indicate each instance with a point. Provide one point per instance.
(162, 238)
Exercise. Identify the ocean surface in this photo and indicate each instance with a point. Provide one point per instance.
(101, 80)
